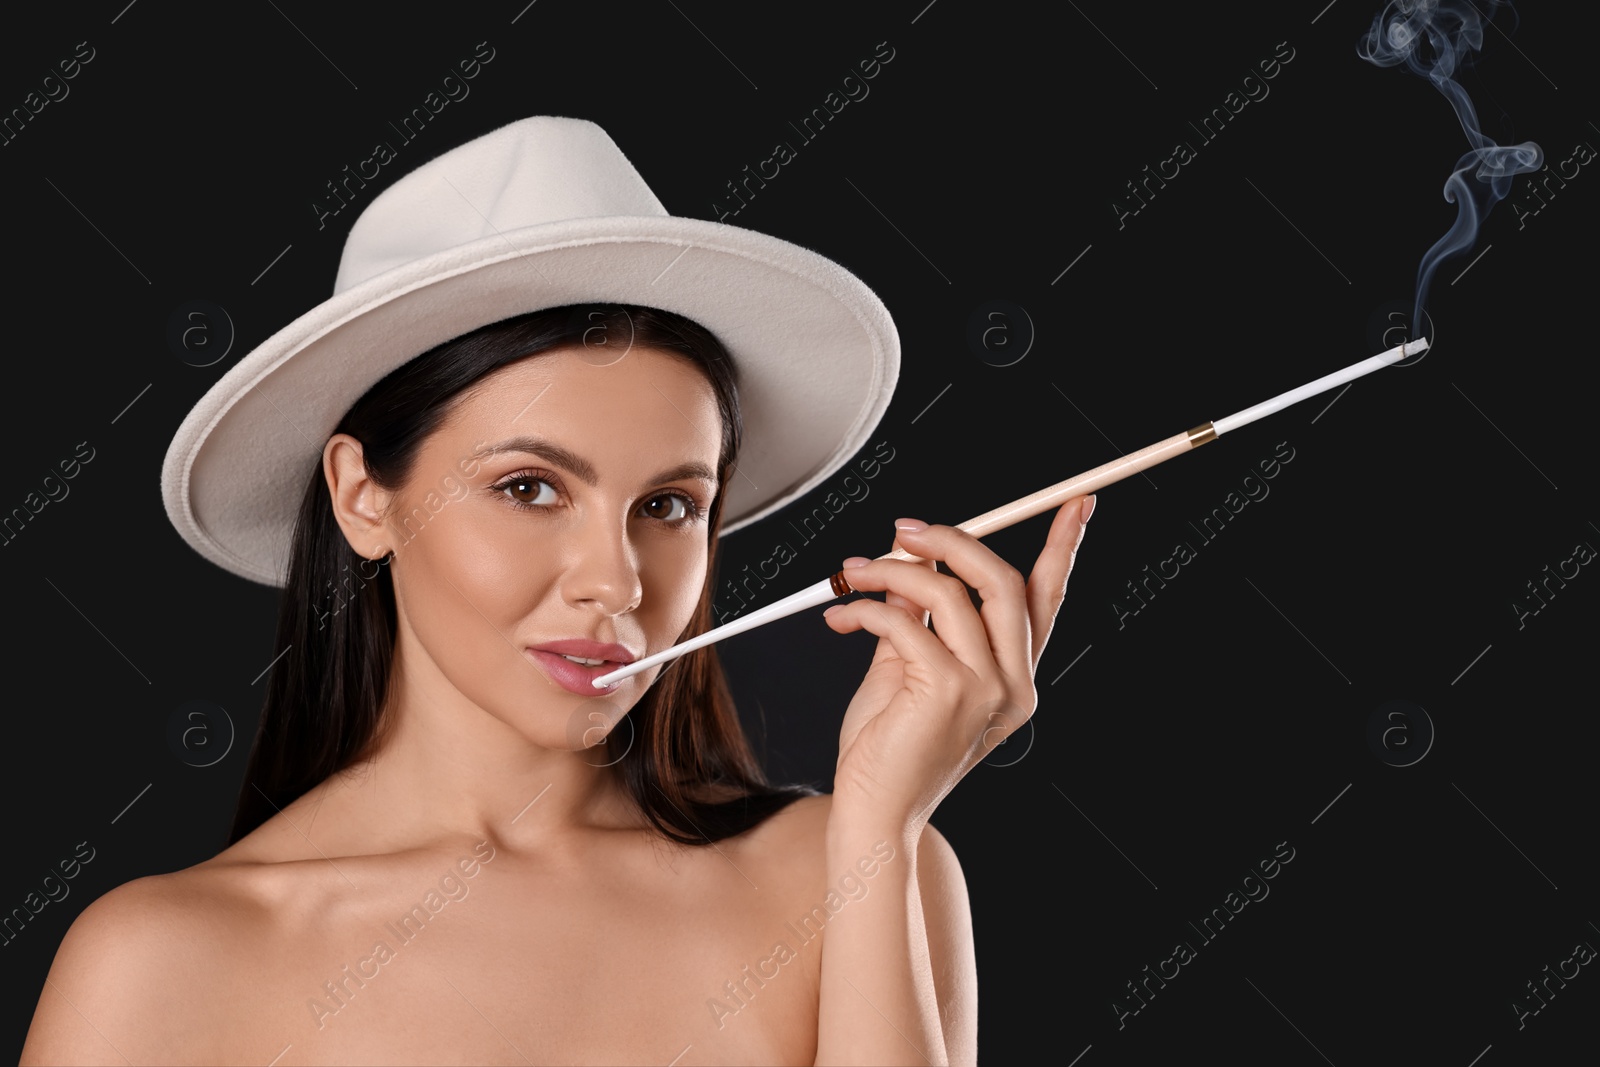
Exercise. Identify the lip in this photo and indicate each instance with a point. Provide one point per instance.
(575, 677)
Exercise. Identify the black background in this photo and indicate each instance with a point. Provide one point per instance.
(1227, 716)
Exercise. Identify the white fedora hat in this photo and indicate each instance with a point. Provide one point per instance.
(544, 212)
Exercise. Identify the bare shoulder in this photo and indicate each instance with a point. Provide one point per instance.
(801, 822)
(943, 882)
(947, 915)
(942, 892)
(121, 987)
(801, 830)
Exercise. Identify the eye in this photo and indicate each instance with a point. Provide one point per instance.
(536, 490)
(674, 508)
(528, 491)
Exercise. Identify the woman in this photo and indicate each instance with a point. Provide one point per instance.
(451, 847)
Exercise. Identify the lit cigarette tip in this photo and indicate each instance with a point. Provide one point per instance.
(1411, 348)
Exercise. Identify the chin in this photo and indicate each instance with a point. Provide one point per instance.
(563, 721)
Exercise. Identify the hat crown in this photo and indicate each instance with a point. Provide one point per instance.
(542, 213)
(528, 173)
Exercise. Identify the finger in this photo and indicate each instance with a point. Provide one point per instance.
(1047, 582)
(885, 649)
(1002, 593)
(916, 646)
(977, 639)
(920, 611)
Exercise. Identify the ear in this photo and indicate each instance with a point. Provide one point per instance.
(359, 503)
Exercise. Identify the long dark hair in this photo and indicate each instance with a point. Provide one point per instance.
(689, 768)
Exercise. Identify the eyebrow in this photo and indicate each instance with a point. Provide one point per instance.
(585, 471)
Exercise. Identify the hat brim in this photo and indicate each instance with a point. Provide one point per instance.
(817, 353)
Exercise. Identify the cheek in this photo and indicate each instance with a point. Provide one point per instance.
(671, 590)
(467, 590)
(466, 568)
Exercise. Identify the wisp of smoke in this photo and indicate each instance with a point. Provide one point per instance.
(1433, 37)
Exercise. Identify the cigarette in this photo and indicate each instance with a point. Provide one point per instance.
(1033, 504)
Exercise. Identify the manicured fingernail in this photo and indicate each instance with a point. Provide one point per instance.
(829, 611)
(856, 561)
(910, 525)
(1086, 510)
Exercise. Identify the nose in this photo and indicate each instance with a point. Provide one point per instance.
(604, 574)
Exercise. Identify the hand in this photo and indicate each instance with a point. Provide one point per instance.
(933, 704)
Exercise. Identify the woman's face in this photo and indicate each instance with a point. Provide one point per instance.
(563, 500)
